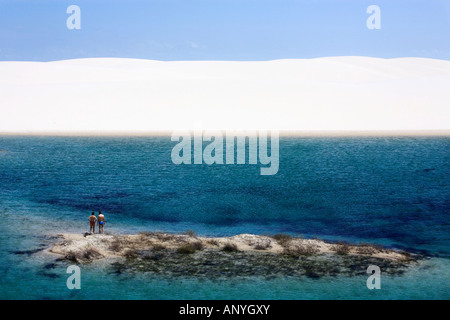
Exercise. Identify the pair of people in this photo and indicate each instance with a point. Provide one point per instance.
(100, 219)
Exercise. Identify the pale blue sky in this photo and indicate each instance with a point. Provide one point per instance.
(223, 29)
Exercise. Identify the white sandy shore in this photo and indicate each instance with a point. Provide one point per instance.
(306, 96)
(102, 246)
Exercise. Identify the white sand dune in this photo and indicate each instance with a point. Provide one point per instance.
(129, 95)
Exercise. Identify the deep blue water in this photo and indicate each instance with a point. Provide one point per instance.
(393, 191)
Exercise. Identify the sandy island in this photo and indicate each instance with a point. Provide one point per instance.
(240, 255)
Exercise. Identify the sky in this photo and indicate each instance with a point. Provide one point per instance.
(32, 30)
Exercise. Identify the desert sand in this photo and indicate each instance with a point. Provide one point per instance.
(334, 94)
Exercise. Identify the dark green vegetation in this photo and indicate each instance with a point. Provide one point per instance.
(215, 264)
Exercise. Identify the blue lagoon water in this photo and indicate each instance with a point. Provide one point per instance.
(393, 191)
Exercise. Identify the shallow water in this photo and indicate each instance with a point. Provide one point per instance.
(390, 191)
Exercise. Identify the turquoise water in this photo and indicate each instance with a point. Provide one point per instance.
(385, 190)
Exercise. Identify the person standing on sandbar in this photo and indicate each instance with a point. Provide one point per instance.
(101, 222)
(92, 218)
